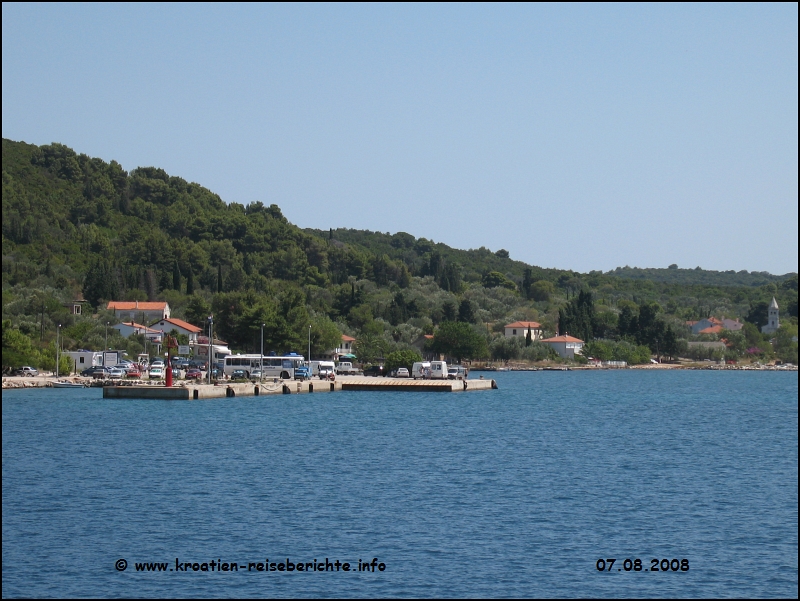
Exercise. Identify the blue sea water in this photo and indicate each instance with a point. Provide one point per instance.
(513, 492)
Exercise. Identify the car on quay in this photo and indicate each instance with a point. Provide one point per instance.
(90, 372)
(326, 373)
(194, 374)
(115, 373)
(375, 370)
(27, 370)
(133, 372)
(302, 373)
(456, 372)
(156, 373)
(402, 372)
(238, 374)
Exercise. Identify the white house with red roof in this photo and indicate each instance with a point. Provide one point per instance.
(131, 327)
(520, 329)
(182, 327)
(566, 346)
(144, 310)
(712, 325)
(346, 347)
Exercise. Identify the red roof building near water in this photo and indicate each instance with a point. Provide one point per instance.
(520, 329)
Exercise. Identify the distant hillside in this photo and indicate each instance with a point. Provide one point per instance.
(76, 226)
(676, 275)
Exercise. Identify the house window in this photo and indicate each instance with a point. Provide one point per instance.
(81, 361)
(513, 332)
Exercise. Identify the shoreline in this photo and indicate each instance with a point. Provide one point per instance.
(21, 382)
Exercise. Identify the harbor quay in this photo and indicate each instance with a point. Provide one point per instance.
(250, 389)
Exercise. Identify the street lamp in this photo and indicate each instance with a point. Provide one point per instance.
(58, 333)
(210, 341)
(106, 339)
(309, 346)
(261, 365)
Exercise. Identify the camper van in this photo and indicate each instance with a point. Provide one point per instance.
(438, 370)
(317, 365)
(418, 370)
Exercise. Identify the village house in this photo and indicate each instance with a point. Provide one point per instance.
(345, 348)
(519, 329)
(126, 329)
(143, 310)
(566, 346)
(182, 327)
(714, 325)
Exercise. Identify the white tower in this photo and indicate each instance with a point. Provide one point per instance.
(772, 318)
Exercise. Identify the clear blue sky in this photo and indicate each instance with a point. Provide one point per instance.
(574, 136)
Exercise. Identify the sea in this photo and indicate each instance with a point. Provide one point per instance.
(558, 484)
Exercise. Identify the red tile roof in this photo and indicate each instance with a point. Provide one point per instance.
(525, 324)
(347, 338)
(181, 324)
(711, 330)
(136, 305)
(139, 326)
(566, 338)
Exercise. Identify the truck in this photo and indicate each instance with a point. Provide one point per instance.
(318, 365)
(345, 368)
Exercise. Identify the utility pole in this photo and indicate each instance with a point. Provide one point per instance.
(58, 336)
(309, 348)
(210, 344)
(261, 365)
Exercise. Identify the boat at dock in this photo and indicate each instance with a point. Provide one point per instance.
(68, 385)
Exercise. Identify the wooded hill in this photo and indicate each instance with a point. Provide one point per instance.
(76, 226)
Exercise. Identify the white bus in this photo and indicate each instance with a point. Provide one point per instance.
(273, 366)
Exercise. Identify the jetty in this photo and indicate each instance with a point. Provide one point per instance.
(253, 389)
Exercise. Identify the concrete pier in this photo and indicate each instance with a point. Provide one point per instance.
(248, 389)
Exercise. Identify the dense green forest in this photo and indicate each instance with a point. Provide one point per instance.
(76, 227)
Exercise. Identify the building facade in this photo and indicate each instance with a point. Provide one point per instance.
(168, 324)
(145, 311)
(566, 346)
(519, 329)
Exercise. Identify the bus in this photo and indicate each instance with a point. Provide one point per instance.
(273, 366)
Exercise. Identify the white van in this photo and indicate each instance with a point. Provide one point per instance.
(317, 365)
(438, 370)
(418, 369)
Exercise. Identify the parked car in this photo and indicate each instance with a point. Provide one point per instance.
(116, 373)
(456, 372)
(255, 374)
(156, 373)
(89, 372)
(302, 373)
(176, 373)
(402, 372)
(102, 375)
(325, 373)
(26, 370)
(346, 368)
(194, 374)
(239, 374)
(157, 363)
(134, 372)
(375, 370)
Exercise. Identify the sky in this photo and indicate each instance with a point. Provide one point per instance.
(580, 137)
